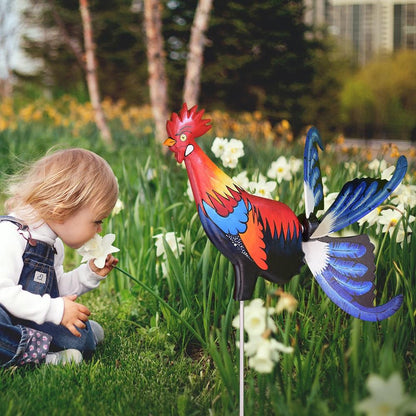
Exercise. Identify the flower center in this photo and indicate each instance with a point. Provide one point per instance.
(393, 222)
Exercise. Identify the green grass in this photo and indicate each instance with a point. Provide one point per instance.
(170, 346)
(136, 371)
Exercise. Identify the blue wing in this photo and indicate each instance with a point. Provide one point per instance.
(345, 270)
(357, 198)
(312, 178)
(235, 222)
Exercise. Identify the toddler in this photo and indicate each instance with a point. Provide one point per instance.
(62, 198)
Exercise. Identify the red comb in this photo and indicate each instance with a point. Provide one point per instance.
(192, 119)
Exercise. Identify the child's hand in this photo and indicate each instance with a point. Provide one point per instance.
(110, 263)
(75, 315)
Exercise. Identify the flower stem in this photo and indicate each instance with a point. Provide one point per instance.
(152, 292)
(381, 246)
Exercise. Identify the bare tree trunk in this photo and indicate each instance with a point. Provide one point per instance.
(91, 74)
(196, 53)
(158, 84)
(9, 29)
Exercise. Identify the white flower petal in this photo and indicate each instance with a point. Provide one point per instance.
(100, 262)
(172, 240)
(386, 396)
(98, 248)
(118, 207)
(218, 146)
(388, 173)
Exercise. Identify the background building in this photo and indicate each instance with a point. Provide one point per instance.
(366, 28)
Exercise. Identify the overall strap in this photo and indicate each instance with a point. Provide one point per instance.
(22, 227)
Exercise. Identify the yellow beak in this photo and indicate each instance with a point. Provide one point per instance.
(169, 142)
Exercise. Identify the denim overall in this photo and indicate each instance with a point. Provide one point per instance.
(22, 341)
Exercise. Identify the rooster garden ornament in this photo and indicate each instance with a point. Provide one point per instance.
(263, 237)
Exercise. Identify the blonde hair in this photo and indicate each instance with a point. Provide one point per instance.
(59, 184)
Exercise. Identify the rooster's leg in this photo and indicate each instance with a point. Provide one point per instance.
(246, 274)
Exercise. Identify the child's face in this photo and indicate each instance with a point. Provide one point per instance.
(79, 228)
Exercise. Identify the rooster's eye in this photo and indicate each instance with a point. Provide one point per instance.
(183, 137)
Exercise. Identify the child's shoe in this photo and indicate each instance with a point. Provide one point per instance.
(70, 356)
(97, 331)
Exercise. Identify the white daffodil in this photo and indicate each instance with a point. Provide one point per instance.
(371, 218)
(98, 248)
(389, 219)
(261, 347)
(118, 207)
(264, 353)
(228, 150)
(377, 165)
(218, 146)
(263, 187)
(295, 164)
(229, 160)
(386, 174)
(151, 174)
(265, 357)
(256, 318)
(256, 322)
(242, 180)
(234, 149)
(252, 184)
(280, 170)
(404, 195)
(351, 167)
(173, 241)
(387, 397)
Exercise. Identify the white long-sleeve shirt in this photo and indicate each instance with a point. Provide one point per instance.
(23, 304)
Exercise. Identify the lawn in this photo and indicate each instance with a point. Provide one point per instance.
(170, 346)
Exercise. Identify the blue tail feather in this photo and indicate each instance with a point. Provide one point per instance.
(350, 269)
(357, 198)
(344, 268)
(340, 248)
(312, 173)
(354, 287)
(349, 302)
(358, 191)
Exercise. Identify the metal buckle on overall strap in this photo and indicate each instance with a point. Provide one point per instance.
(23, 229)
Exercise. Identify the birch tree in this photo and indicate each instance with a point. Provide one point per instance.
(156, 65)
(195, 58)
(91, 73)
(8, 43)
